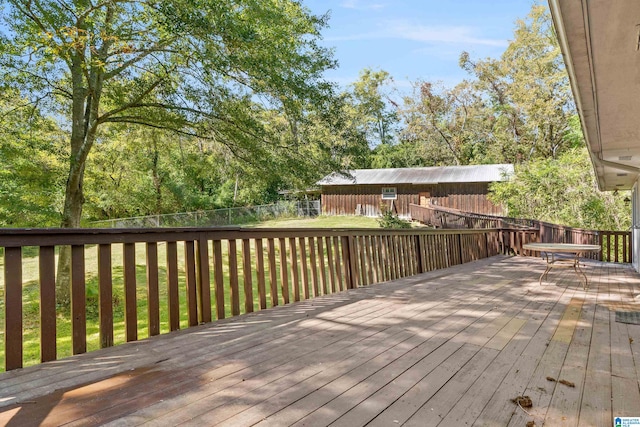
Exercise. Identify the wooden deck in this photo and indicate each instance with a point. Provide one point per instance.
(449, 347)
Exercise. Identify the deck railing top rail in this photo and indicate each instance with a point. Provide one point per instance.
(90, 236)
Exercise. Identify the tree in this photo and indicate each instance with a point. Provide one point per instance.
(32, 161)
(528, 92)
(374, 110)
(562, 190)
(193, 67)
(449, 124)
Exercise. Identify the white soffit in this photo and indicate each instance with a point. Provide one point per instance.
(600, 41)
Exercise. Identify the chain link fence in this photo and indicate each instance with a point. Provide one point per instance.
(217, 217)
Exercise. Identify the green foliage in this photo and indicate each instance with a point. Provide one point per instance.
(530, 104)
(203, 69)
(562, 191)
(32, 165)
(449, 124)
(371, 105)
(390, 220)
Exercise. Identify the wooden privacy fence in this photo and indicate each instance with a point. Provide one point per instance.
(615, 245)
(150, 281)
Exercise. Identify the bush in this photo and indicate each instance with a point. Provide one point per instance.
(389, 220)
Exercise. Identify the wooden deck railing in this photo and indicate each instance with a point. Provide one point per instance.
(441, 217)
(615, 245)
(151, 281)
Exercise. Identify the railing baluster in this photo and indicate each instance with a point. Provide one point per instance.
(47, 266)
(153, 292)
(346, 262)
(247, 276)
(323, 273)
(262, 292)
(284, 277)
(362, 255)
(295, 279)
(305, 268)
(330, 264)
(336, 260)
(172, 286)
(374, 258)
(273, 277)
(78, 301)
(218, 279)
(131, 309)
(190, 282)
(13, 308)
(204, 280)
(233, 277)
(314, 266)
(105, 295)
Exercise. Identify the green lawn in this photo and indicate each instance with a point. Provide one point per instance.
(323, 221)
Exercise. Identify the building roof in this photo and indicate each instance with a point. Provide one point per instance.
(430, 175)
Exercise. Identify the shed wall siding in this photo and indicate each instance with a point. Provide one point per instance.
(367, 199)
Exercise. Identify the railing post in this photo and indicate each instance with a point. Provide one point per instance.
(601, 244)
(13, 308)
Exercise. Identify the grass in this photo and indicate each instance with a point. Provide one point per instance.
(321, 222)
(31, 293)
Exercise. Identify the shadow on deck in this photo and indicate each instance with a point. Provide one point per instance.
(448, 347)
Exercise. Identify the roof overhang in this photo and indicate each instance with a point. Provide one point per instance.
(600, 42)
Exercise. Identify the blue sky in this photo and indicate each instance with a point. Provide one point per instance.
(416, 39)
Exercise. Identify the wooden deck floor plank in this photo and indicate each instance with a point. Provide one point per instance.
(180, 342)
(500, 407)
(278, 399)
(407, 314)
(393, 393)
(550, 362)
(341, 386)
(279, 395)
(564, 407)
(71, 378)
(595, 407)
(198, 398)
(370, 407)
(130, 397)
(479, 333)
(239, 375)
(415, 397)
(462, 341)
(316, 400)
(624, 385)
(436, 408)
(201, 399)
(473, 402)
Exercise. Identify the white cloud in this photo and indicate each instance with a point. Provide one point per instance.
(360, 5)
(439, 34)
(404, 30)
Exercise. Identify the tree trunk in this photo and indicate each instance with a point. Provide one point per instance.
(87, 82)
(71, 215)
